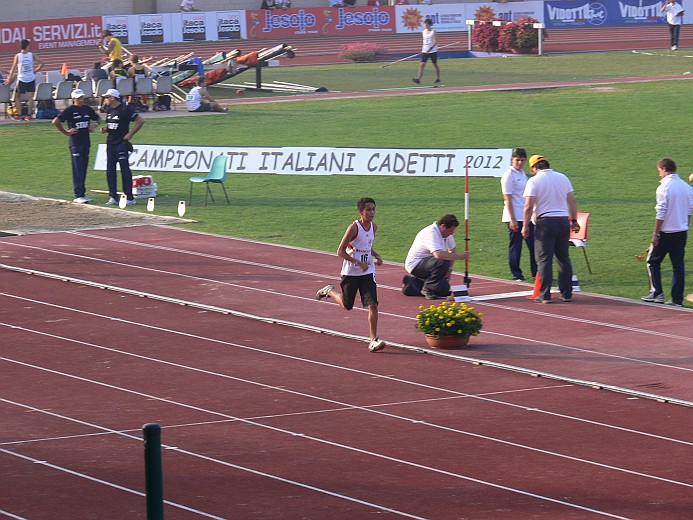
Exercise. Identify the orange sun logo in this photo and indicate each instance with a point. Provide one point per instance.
(485, 13)
(412, 19)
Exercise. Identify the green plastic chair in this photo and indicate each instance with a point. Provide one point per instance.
(216, 175)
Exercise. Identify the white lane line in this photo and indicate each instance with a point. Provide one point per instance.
(308, 396)
(103, 482)
(323, 441)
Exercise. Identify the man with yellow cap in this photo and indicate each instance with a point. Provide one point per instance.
(550, 204)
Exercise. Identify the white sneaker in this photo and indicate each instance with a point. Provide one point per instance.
(324, 292)
(112, 202)
(80, 200)
(376, 345)
(131, 202)
(674, 47)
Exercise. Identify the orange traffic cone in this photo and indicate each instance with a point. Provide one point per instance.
(63, 71)
(537, 288)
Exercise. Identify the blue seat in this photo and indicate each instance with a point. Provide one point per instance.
(217, 174)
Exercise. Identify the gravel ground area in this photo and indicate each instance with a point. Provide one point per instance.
(24, 214)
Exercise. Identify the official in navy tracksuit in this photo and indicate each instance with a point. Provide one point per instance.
(118, 146)
(78, 117)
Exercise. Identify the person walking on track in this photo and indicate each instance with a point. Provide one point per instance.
(358, 269)
(428, 51)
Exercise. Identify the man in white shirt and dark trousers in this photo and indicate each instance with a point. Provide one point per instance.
(513, 184)
(672, 216)
(550, 204)
(674, 15)
(431, 256)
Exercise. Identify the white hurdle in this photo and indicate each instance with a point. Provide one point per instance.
(499, 23)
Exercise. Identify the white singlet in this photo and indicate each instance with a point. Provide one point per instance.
(428, 39)
(25, 67)
(360, 248)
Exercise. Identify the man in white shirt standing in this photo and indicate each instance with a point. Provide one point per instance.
(513, 184)
(674, 14)
(550, 204)
(672, 217)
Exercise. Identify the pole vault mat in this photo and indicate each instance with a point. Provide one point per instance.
(271, 406)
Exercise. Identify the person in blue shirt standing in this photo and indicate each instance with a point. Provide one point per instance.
(78, 117)
(118, 145)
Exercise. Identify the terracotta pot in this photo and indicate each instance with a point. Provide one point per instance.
(447, 341)
(524, 50)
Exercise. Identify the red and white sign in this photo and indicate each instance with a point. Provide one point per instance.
(51, 34)
(320, 21)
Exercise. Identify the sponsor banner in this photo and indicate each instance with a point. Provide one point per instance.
(320, 21)
(119, 26)
(57, 33)
(569, 13)
(483, 162)
(229, 25)
(509, 11)
(151, 28)
(453, 17)
(194, 27)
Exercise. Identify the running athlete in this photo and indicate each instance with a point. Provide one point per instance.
(428, 51)
(358, 269)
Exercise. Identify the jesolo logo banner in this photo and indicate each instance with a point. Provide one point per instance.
(443, 162)
(317, 21)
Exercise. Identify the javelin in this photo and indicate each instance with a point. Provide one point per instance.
(415, 55)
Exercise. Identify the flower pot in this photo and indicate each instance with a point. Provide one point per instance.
(524, 50)
(447, 341)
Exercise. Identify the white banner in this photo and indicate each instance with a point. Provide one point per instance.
(483, 162)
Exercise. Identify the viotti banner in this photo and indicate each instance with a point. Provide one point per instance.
(317, 21)
(483, 162)
(602, 13)
(50, 34)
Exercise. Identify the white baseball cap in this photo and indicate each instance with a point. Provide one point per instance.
(77, 93)
(112, 92)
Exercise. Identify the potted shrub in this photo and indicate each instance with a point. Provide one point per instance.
(449, 324)
(519, 36)
(361, 52)
(485, 35)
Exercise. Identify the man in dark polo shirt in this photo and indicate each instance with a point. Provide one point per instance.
(78, 117)
(118, 146)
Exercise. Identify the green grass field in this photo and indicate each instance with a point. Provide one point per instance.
(607, 139)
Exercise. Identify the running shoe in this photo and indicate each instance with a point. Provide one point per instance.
(416, 80)
(653, 298)
(436, 82)
(81, 200)
(324, 292)
(112, 202)
(131, 202)
(27, 118)
(16, 118)
(376, 345)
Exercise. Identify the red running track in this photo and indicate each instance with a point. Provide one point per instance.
(263, 420)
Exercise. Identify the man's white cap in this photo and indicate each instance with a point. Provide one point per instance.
(112, 92)
(77, 93)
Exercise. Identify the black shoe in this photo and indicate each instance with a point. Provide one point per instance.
(518, 278)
